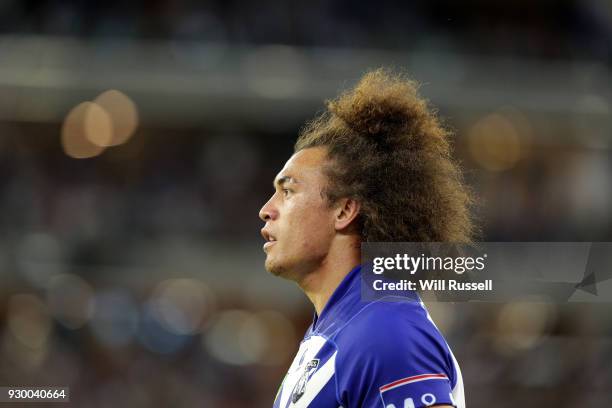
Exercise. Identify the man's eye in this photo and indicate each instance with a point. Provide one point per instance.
(285, 191)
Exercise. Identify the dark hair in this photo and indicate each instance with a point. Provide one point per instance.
(387, 149)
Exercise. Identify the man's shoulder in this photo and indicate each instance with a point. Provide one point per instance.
(387, 341)
(389, 323)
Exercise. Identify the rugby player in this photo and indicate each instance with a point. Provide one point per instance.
(375, 166)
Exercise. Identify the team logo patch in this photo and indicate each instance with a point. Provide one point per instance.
(300, 387)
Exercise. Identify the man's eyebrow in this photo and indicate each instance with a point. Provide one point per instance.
(279, 182)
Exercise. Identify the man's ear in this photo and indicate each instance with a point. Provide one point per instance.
(346, 211)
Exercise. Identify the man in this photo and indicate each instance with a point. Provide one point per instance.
(376, 166)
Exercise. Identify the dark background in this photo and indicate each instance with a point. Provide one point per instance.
(135, 275)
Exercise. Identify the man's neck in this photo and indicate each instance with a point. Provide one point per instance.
(320, 284)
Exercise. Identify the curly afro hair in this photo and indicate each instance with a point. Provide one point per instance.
(388, 150)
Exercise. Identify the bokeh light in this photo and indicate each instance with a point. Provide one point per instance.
(154, 336)
(28, 320)
(86, 130)
(40, 256)
(181, 305)
(443, 314)
(123, 114)
(70, 300)
(240, 337)
(521, 325)
(495, 143)
(115, 318)
(278, 334)
(26, 343)
(235, 338)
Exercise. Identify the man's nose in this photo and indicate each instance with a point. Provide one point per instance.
(268, 212)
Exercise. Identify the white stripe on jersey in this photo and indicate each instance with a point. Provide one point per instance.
(308, 350)
(317, 382)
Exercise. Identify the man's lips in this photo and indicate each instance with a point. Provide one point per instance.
(270, 239)
(268, 244)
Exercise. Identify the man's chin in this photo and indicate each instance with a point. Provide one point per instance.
(277, 268)
(273, 268)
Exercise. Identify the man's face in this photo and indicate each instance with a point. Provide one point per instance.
(299, 222)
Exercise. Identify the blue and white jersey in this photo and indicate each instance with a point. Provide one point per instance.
(371, 354)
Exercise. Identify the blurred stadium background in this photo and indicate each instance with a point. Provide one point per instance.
(133, 273)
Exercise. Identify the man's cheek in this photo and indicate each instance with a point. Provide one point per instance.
(316, 239)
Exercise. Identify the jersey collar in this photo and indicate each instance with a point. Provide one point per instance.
(341, 291)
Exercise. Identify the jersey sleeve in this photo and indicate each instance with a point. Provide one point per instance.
(394, 363)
